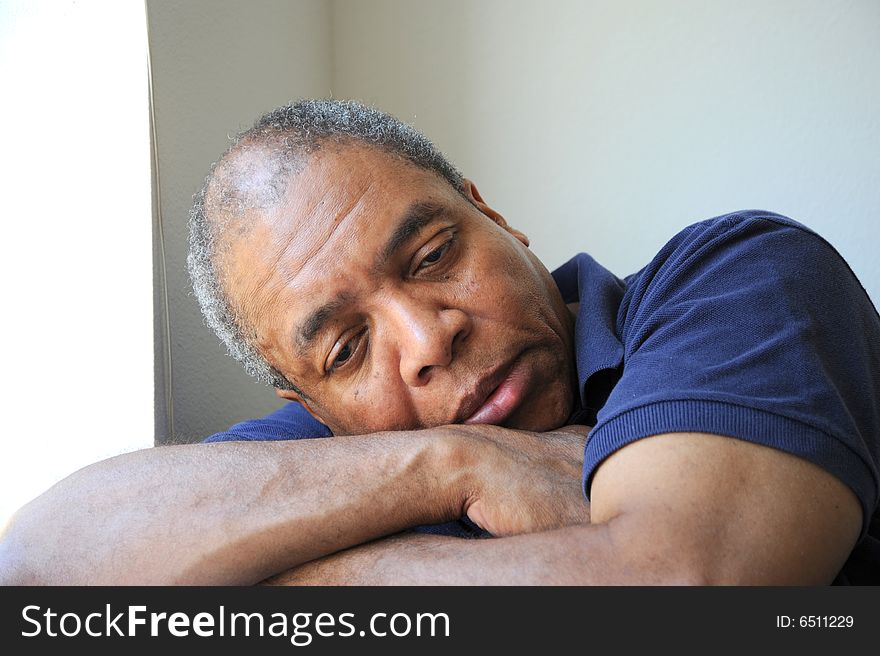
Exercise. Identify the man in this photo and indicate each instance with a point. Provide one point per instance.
(728, 394)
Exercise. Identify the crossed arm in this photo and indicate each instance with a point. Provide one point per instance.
(673, 509)
(676, 508)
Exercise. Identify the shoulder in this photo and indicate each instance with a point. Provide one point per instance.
(742, 223)
(754, 262)
(750, 325)
(747, 238)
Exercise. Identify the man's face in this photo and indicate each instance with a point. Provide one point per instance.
(395, 303)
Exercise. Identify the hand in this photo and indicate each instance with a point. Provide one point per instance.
(523, 482)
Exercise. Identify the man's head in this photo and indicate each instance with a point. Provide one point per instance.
(343, 260)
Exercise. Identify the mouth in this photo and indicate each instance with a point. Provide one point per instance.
(496, 396)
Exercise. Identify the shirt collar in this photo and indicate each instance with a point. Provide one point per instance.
(598, 349)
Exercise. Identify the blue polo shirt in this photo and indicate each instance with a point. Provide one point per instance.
(747, 325)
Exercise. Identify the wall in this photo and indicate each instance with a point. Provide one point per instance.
(607, 126)
(592, 125)
(217, 65)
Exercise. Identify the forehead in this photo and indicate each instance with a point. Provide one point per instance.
(343, 194)
(335, 213)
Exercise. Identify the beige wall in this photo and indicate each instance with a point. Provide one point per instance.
(606, 126)
(601, 126)
(217, 65)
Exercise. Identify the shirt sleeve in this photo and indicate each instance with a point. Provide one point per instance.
(750, 326)
(290, 422)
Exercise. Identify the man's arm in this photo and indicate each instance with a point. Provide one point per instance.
(236, 513)
(676, 508)
(672, 508)
(223, 513)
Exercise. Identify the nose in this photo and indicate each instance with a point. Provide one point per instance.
(428, 338)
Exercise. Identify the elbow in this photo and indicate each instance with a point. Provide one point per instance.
(26, 552)
(16, 566)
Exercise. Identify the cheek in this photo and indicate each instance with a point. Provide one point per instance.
(503, 285)
(370, 406)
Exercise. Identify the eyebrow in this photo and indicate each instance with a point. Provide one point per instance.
(315, 322)
(416, 217)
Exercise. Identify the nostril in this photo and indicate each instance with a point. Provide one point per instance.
(460, 336)
(424, 373)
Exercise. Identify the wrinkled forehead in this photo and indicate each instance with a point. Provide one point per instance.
(340, 189)
(265, 182)
(331, 215)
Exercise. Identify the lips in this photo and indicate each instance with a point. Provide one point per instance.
(496, 397)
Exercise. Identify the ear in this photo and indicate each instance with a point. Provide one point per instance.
(291, 395)
(473, 195)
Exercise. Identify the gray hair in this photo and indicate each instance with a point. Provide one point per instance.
(281, 140)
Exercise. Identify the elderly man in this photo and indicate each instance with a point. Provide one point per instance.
(712, 418)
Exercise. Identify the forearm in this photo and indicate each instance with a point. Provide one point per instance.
(575, 555)
(403, 559)
(225, 513)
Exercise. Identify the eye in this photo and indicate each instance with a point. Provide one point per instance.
(435, 255)
(345, 353)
